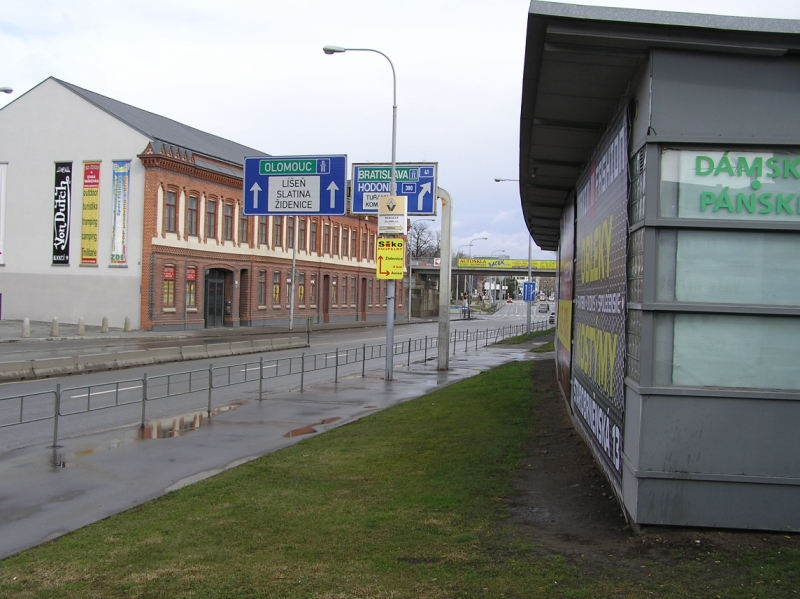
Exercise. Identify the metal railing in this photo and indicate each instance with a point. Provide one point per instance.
(82, 399)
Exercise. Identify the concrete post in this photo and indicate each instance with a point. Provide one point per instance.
(54, 327)
(104, 325)
(81, 327)
(127, 327)
(26, 328)
(445, 271)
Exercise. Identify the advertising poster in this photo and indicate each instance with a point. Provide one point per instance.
(89, 213)
(566, 255)
(505, 263)
(62, 203)
(598, 358)
(119, 212)
(3, 169)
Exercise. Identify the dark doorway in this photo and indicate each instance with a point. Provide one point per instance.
(214, 298)
(362, 302)
(326, 298)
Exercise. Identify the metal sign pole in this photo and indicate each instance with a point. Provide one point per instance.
(291, 282)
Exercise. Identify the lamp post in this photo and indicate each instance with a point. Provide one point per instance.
(500, 180)
(390, 288)
(6, 90)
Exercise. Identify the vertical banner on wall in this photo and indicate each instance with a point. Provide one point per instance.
(119, 212)
(598, 358)
(90, 212)
(62, 203)
(566, 256)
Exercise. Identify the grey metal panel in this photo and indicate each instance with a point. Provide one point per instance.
(641, 122)
(630, 491)
(718, 96)
(631, 436)
(718, 504)
(752, 437)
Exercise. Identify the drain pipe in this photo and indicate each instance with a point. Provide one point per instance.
(445, 270)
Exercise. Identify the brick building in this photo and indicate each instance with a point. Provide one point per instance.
(168, 204)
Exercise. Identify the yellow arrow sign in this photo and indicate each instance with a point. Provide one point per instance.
(391, 257)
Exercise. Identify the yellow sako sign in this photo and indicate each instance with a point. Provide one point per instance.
(505, 263)
(391, 257)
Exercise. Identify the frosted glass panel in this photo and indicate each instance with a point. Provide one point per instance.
(730, 267)
(752, 352)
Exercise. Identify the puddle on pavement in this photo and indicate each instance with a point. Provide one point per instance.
(309, 430)
(175, 426)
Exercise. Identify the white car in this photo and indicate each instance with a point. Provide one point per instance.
(543, 308)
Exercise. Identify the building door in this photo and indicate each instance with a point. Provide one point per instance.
(214, 298)
(326, 298)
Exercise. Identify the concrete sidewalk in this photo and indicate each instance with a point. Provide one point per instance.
(48, 492)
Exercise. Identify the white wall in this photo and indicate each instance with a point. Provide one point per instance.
(46, 125)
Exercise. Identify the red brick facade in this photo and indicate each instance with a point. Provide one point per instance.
(242, 279)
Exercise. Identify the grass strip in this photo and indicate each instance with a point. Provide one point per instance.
(549, 346)
(527, 337)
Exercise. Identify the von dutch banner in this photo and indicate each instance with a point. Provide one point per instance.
(598, 354)
(62, 204)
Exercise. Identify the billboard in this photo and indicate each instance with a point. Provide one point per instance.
(564, 283)
(598, 307)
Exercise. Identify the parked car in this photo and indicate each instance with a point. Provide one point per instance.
(509, 301)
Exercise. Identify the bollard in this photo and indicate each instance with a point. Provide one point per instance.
(302, 370)
(54, 327)
(104, 325)
(425, 360)
(261, 378)
(127, 326)
(55, 415)
(210, 386)
(455, 338)
(336, 368)
(476, 341)
(144, 399)
(409, 353)
(466, 341)
(81, 327)
(26, 328)
(363, 358)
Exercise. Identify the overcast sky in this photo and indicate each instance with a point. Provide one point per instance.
(254, 72)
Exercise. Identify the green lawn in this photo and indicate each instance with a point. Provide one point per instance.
(404, 503)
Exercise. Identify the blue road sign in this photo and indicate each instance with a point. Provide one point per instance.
(295, 185)
(415, 181)
(529, 291)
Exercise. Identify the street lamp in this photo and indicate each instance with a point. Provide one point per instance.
(528, 303)
(390, 289)
(6, 90)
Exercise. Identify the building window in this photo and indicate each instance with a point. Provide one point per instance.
(170, 208)
(211, 219)
(312, 290)
(369, 291)
(262, 230)
(326, 238)
(363, 246)
(345, 244)
(276, 287)
(168, 288)
(228, 223)
(301, 234)
(335, 240)
(335, 291)
(262, 288)
(191, 287)
(243, 227)
(313, 236)
(353, 243)
(277, 231)
(290, 232)
(191, 216)
(301, 289)
(353, 290)
(344, 291)
(371, 247)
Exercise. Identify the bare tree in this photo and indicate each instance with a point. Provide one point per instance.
(421, 239)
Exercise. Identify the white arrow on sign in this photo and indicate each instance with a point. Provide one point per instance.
(333, 188)
(255, 189)
(426, 188)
